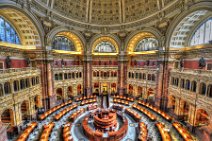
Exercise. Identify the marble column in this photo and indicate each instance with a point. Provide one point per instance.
(122, 73)
(87, 69)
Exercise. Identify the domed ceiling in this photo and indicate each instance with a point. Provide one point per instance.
(104, 13)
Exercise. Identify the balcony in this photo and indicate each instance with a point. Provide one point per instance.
(12, 74)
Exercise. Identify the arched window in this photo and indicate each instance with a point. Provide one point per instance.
(193, 86)
(133, 75)
(8, 33)
(16, 85)
(129, 74)
(147, 44)
(203, 34)
(37, 80)
(33, 81)
(144, 76)
(153, 77)
(140, 75)
(7, 88)
(105, 47)
(136, 75)
(63, 43)
(69, 75)
(56, 77)
(60, 76)
(1, 90)
(182, 83)
(73, 76)
(187, 87)
(27, 83)
(202, 89)
(149, 77)
(23, 85)
(65, 76)
(209, 93)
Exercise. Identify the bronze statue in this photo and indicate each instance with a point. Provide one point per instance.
(8, 62)
(202, 62)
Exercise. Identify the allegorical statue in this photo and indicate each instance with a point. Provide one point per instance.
(28, 62)
(8, 62)
(181, 63)
(202, 62)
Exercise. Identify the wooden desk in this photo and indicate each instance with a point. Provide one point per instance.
(129, 99)
(52, 110)
(27, 132)
(121, 102)
(89, 101)
(143, 134)
(164, 134)
(47, 129)
(144, 111)
(161, 113)
(182, 131)
(118, 107)
(76, 114)
(67, 132)
(85, 98)
(133, 114)
(65, 111)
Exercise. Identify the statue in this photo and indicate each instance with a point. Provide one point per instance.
(147, 62)
(202, 62)
(8, 62)
(28, 62)
(181, 63)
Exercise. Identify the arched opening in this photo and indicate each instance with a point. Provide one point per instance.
(149, 77)
(79, 89)
(202, 117)
(19, 29)
(38, 102)
(202, 89)
(27, 83)
(193, 86)
(7, 88)
(96, 88)
(183, 29)
(33, 80)
(70, 92)
(60, 77)
(140, 91)
(182, 84)
(25, 110)
(1, 90)
(153, 77)
(67, 42)
(143, 41)
(209, 91)
(113, 88)
(130, 89)
(171, 103)
(59, 93)
(56, 77)
(187, 87)
(184, 106)
(7, 117)
(22, 84)
(16, 85)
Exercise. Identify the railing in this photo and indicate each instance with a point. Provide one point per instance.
(72, 68)
(192, 71)
(14, 70)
